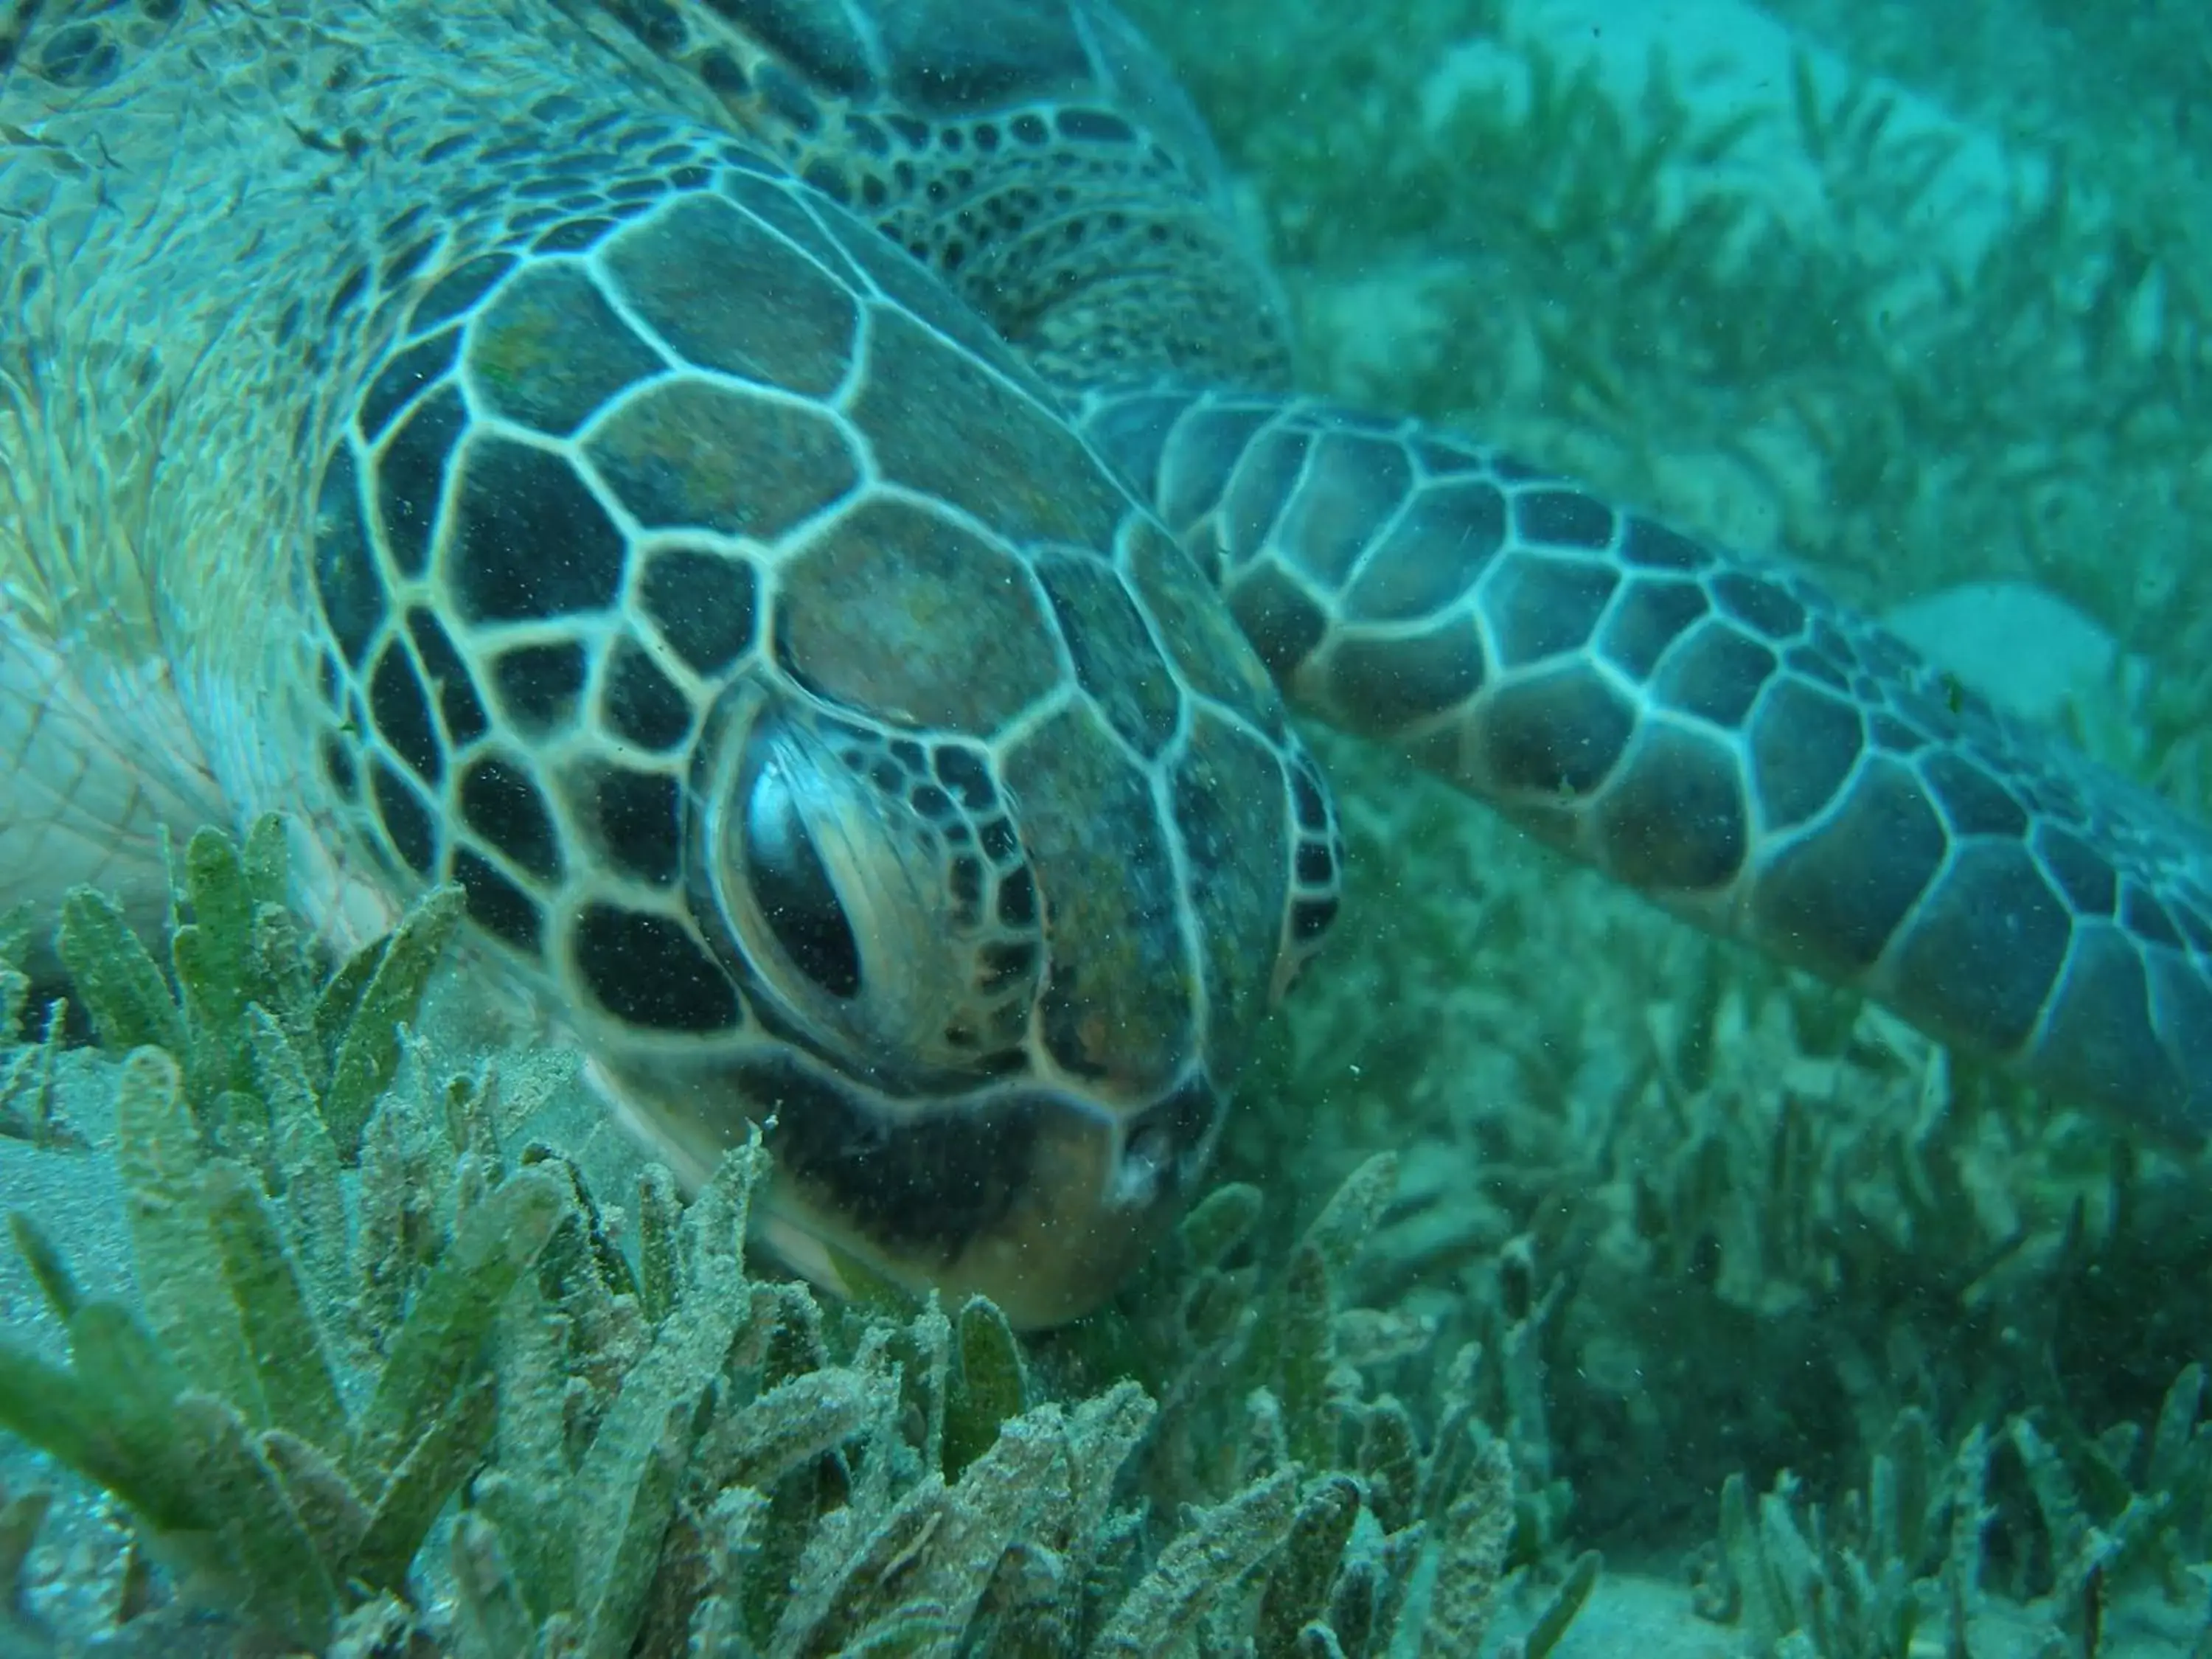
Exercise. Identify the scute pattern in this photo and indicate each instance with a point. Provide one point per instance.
(685, 466)
(732, 613)
(795, 324)
(896, 607)
(1714, 732)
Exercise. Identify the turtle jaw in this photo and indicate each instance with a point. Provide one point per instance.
(1040, 1199)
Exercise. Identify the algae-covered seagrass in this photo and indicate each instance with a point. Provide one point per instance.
(797, 511)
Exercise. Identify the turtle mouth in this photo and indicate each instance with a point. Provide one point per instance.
(1039, 1198)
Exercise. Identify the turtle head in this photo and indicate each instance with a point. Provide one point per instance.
(1003, 899)
(819, 724)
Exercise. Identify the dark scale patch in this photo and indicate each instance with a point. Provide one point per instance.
(1029, 130)
(338, 766)
(998, 840)
(1837, 896)
(1816, 664)
(689, 454)
(1017, 906)
(347, 583)
(1264, 480)
(1094, 127)
(410, 476)
(705, 605)
(642, 706)
(639, 820)
(502, 804)
(407, 823)
(401, 267)
(1195, 468)
(1380, 687)
(2146, 919)
(1539, 605)
(1654, 547)
(1282, 622)
(1975, 803)
(1564, 518)
(964, 880)
(1133, 433)
(1433, 556)
(656, 22)
(1559, 733)
(1894, 735)
(723, 74)
(829, 179)
(347, 295)
(647, 971)
(1803, 746)
(1351, 489)
(1985, 950)
(1673, 821)
(1114, 658)
(572, 236)
(964, 772)
(497, 905)
(459, 705)
(788, 100)
(538, 685)
(2098, 1043)
(681, 268)
(1760, 601)
(1647, 619)
(1314, 866)
(1311, 918)
(1308, 797)
(402, 713)
(550, 351)
(529, 539)
(1716, 675)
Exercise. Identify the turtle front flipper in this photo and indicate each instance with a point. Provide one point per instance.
(1716, 733)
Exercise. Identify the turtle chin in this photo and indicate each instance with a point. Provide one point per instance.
(1034, 1197)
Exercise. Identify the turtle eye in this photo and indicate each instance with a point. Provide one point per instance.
(792, 887)
(834, 896)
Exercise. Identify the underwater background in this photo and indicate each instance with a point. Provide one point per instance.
(1572, 1280)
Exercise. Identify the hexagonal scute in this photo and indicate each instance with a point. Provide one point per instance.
(725, 292)
(904, 614)
(528, 539)
(693, 454)
(551, 351)
(943, 423)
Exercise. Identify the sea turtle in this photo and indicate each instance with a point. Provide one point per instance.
(797, 506)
